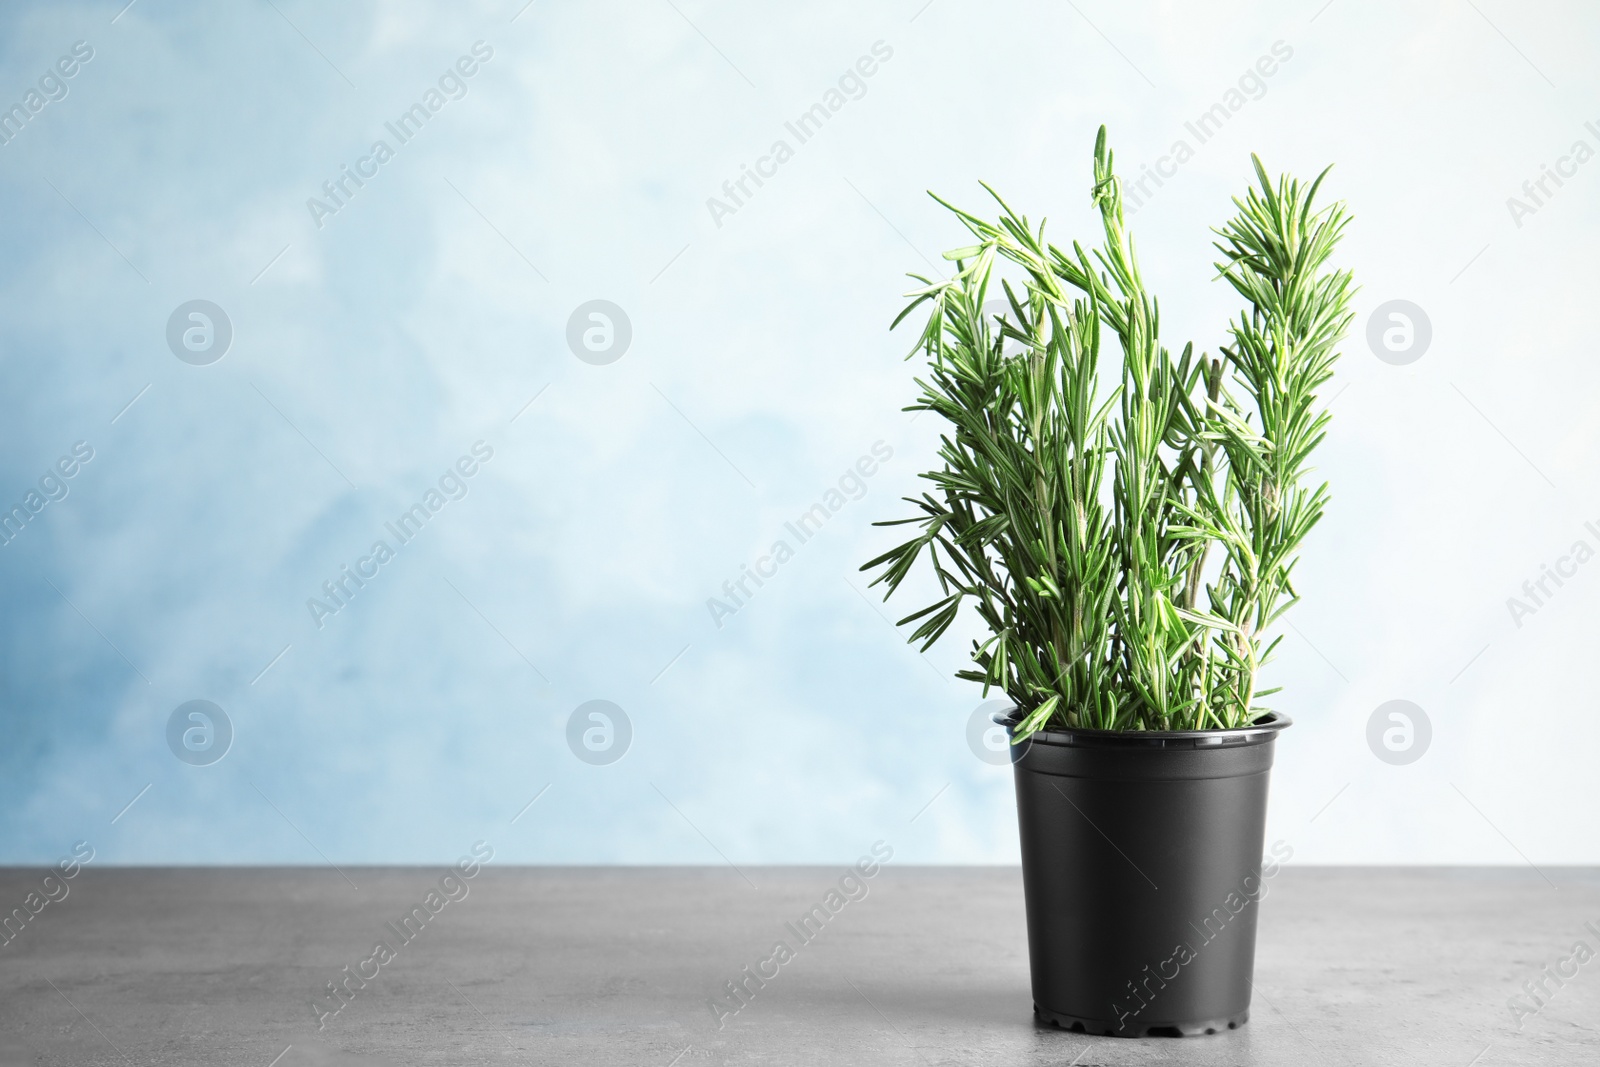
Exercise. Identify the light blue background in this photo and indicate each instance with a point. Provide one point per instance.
(425, 315)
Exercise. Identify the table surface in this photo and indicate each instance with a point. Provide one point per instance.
(617, 966)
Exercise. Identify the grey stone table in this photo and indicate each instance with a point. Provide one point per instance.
(620, 966)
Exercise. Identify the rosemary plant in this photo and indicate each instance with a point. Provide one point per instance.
(1127, 545)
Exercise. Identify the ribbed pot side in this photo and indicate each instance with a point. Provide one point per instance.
(1142, 869)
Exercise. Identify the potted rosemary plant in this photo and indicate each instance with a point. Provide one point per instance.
(1127, 536)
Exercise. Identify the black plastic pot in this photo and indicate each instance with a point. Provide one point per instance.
(1142, 868)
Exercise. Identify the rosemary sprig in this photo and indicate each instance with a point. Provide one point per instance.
(1127, 545)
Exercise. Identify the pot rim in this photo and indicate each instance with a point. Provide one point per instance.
(1258, 733)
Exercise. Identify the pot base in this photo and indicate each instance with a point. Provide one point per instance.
(1079, 1025)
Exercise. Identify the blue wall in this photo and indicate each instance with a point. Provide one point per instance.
(387, 331)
